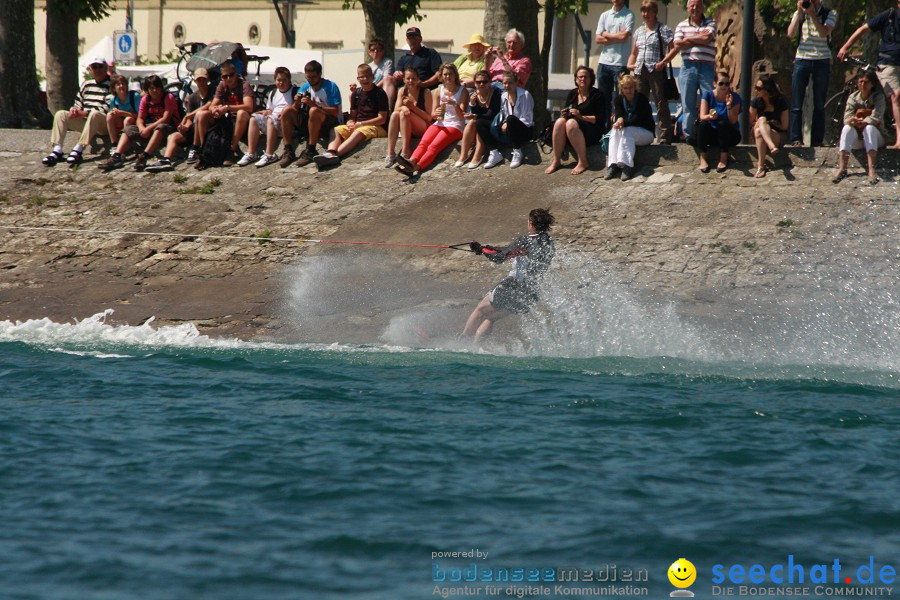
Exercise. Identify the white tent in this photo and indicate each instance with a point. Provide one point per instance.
(102, 49)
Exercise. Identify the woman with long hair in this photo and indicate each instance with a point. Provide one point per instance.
(411, 116)
(450, 102)
(863, 125)
(769, 115)
(579, 122)
(484, 104)
(719, 112)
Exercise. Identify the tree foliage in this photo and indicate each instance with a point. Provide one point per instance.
(83, 10)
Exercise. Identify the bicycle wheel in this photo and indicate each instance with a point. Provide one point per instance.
(834, 108)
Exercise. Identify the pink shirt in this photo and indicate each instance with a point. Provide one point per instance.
(521, 65)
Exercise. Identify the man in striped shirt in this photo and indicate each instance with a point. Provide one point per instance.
(87, 116)
(815, 23)
(695, 38)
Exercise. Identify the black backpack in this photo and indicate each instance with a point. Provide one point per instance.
(217, 143)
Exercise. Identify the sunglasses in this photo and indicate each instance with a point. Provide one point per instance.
(98, 66)
(228, 75)
(481, 81)
(723, 83)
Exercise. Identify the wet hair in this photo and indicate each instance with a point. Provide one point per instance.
(452, 68)
(283, 71)
(541, 219)
(770, 86)
(314, 66)
(592, 77)
(115, 79)
(154, 81)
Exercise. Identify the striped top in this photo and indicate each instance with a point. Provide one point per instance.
(812, 45)
(705, 53)
(93, 95)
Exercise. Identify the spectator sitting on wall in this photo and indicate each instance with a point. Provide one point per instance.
(87, 115)
(512, 60)
(423, 59)
(315, 112)
(186, 130)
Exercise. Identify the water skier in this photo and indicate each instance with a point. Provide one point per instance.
(517, 293)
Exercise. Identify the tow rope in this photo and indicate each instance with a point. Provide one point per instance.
(463, 246)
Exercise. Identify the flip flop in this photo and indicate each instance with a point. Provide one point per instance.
(842, 175)
(761, 172)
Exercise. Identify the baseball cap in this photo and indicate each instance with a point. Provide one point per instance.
(413, 31)
(201, 72)
(99, 61)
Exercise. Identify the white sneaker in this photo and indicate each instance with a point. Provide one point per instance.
(246, 159)
(494, 159)
(266, 160)
(516, 160)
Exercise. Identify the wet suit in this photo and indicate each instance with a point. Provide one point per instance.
(531, 254)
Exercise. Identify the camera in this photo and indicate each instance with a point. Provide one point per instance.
(566, 112)
(805, 4)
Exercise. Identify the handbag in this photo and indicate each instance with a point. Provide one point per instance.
(670, 85)
(862, 113)
(604, 142)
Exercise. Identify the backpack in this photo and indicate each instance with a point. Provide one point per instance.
(217, 143)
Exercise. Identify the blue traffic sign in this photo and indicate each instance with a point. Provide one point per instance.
(125, 44)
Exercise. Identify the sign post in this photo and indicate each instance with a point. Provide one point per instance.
(125, 47)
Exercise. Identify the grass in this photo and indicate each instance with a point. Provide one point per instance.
(263, 236)
(749, 245)
(4, 198)
(784, 223)
(207, 188)
(36, 200)
(725, 249)
(179, 178)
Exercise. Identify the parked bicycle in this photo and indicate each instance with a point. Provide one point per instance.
(836, 104)
(261, 90)
(182, 87)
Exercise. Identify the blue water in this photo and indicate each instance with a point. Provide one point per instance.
(166, 465)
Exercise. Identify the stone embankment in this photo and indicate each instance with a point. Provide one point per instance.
(703, 241)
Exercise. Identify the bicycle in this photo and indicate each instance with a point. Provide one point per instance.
(182, 88)
(835, 104)
(260, 91)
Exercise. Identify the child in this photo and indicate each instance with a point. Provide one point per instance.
(268, 122)
(368, 115)
(123, 103)
(157, 118)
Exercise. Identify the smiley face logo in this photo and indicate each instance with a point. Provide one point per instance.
(682, 573)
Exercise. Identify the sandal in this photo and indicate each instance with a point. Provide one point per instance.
(74, 158)
(873, 180)
(841, 175)
(721, 168)
(761, 172)
(52, 158)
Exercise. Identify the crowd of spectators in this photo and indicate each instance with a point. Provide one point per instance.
(480, 99)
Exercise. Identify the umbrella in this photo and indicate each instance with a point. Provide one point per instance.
(212, 56)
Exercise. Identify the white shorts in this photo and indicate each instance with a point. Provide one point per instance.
(263, 127)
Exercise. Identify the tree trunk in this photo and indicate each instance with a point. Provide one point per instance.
(380, 24)
(63, 76)
(20, 104)
(502, 15)
(549, 16)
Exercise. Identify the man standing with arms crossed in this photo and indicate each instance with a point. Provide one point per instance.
(614, 31)
(888, 24)
(695, 38)
(815, 23)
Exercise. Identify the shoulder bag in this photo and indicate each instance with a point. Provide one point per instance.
(670, 86)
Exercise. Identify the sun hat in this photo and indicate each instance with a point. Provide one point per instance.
(476, 38)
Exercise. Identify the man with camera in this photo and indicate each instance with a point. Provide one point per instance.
(815, 24)
(887, 24)
(316, 110)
